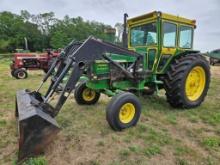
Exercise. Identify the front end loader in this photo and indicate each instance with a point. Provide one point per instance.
(157, 54)
(37, 125)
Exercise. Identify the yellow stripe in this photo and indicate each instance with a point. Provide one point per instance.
(153, 16)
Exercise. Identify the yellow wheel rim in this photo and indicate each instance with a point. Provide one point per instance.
(195, 83)
(88, 94)
(127, 113)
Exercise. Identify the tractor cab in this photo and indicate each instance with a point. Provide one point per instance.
(159, 36)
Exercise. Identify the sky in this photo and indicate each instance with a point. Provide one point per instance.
(205, 12)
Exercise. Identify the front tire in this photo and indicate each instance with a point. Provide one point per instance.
(187, 81)
(84, 95)
(13, 73)
(45, 71)
(123, 111)
(20, 74)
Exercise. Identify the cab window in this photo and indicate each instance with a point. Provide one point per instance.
(144, 35)
(169, 34)
(185, 37)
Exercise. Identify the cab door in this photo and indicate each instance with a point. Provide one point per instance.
(151, 45)
(144, 40)
(169, 43)
(151, 57)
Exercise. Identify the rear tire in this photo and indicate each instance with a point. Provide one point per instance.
(84, 95)
(20, 74)
(123, 111)
(187, 81)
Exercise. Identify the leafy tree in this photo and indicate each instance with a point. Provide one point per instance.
(44, 30)
(70, 29)
(59, 39)
(119, 29)
(25, 15)
(4, 44)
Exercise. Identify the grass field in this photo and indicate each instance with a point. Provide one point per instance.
(163, 136)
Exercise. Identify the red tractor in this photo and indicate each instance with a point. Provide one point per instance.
(22, 62)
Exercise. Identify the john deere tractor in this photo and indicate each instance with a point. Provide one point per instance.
(157, 54)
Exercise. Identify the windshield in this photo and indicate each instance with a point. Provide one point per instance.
(144, 35)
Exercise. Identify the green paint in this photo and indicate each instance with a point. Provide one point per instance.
(156, 57)
(98, 84)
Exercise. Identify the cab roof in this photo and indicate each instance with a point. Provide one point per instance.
(153, 15)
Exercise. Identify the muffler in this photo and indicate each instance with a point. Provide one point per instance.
(36, 128)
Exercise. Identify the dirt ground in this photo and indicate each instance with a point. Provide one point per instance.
(163, 136)
(215, 71)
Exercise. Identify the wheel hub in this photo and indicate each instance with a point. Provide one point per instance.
(88, 94)
(21, 75)
(127, 113)
(195, 83)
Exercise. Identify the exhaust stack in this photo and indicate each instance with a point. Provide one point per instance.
(125, 35)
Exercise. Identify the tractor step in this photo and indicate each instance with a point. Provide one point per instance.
(35, 127)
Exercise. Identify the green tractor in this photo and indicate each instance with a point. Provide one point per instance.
(157, 54)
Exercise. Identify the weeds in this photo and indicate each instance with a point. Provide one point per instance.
(211, 142)
(182, 150)
(2, 123)
(172, 119)
(36, 161)
(134, 148)
(180, 161)
(124, 153)
(152, 150)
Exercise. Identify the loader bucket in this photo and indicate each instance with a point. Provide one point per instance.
(35, 127)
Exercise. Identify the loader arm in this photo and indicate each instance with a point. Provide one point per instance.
(76, 60)
(37, 125)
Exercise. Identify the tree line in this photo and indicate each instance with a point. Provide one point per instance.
(44, 31)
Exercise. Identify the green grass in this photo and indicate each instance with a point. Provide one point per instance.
(124, 153)
(163, 134)
(152, 150)
(172, 119)
(2, 123)
(183, 150)
(36, 161)
(211, 142)
(40, 160)
(134, 148)
(181, 162)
